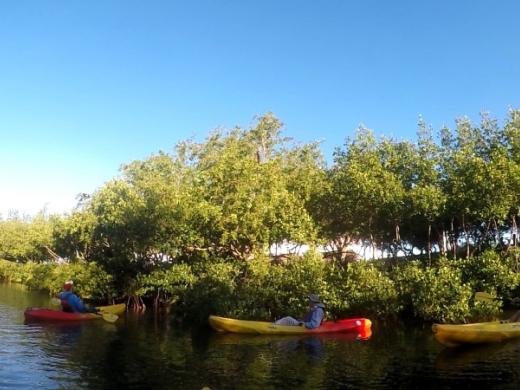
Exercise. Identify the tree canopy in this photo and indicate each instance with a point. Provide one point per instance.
(242, 190)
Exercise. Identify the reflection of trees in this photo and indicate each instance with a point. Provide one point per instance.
(468, 361)
(148, 352)
(18, 296)
(284, 361)
(145, 353)
(135, 354)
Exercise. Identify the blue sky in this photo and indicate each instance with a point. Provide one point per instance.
(88, 86)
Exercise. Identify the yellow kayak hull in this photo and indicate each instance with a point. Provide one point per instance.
(113, 309)
(478, 333)
(222, 324)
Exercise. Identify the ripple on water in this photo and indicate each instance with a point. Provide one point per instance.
(147, 353)
(25, 361)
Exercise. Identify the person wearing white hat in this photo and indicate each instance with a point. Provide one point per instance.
(70, 302)
(312, 318)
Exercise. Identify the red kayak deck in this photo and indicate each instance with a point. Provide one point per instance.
(43, 314)
(36, 313)
(344, 325)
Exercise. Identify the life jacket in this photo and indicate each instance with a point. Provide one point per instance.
(64, 299)
(317, 306)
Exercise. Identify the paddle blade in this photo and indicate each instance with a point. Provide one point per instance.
(55, 302)
(109, 317)
(484, 297)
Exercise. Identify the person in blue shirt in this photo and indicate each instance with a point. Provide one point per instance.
(312, 318)
(70, 302)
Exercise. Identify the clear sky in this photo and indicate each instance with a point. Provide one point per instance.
(86, 86)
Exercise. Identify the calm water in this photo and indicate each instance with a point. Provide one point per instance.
(146, 353)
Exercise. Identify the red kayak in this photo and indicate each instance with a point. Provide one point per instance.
(222, 324)
(42, 314)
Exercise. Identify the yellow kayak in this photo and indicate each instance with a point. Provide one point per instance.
(478, 333)
(113, 309)
(222, 324)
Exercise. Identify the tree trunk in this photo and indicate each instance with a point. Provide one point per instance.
(156, 300)
(497, 233)
(429, 244)
(514, 229)
(443, 242)
(465, 236)
(136, 302)
(340, 247)
(453, 241)
(397, 241)
(371, 237)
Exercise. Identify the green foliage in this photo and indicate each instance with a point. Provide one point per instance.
(364, 191)
(73, 236)
(24, 239)
(247, 177)
(121, 238)
(359, 289)
(261, 296)
(301, 277)
(194, 227)
(172, 282)
(214, 291)
(90, 280)
(435, 294)
(485, 311)
(11, 271)
(233, 195)
(512, 258)
(407, 276)
(490, 272)
(392, 193)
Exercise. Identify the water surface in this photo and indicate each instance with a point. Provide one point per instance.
(148, 352)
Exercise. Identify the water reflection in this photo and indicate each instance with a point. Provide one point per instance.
(282, 361)
(476, 357)
(57, 334)
(152, 352)
(311, 345)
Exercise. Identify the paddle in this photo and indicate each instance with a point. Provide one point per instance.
(108, 317)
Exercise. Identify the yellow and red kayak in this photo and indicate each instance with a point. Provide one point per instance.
(477, 333)
(42, 314)
(222, 324)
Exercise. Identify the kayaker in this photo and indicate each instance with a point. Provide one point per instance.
(312, 319)
(70, 302)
